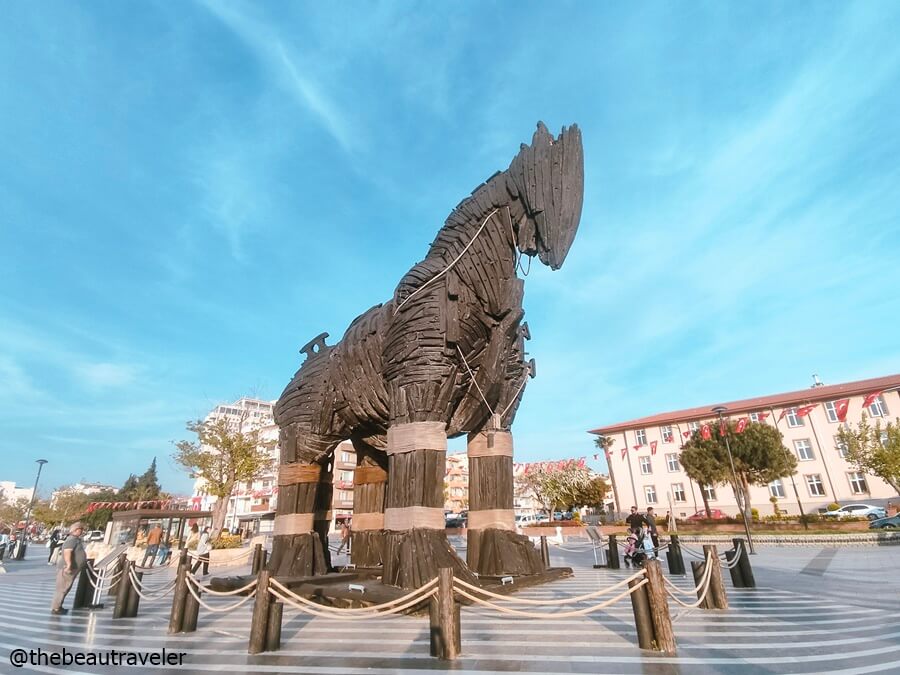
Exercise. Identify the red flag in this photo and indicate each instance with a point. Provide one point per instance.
(705, 432)
(686, 434)
(741, 425)
(761, 417)
(722, 428)
(652, 447)
(841, 407)
(783, 413)
(638, 447)
(870, 399)
(805, 410)
(624, 451)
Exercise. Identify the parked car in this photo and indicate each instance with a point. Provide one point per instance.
(889, 523)
(94, 535)
(714, 514)
(857, 511)
(528, 519)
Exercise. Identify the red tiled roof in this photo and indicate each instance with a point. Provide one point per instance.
(788, 399)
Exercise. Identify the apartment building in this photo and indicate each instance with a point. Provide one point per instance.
(456, 483)
(79, 488)
(644, 461)
(10, 493)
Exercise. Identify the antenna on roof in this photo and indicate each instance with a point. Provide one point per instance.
(816, 381)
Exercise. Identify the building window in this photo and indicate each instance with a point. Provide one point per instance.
(878, 407)
(347, 476)
(804, 450)
(754, 417)
(646, 468)
(831, 411)
(345, 495)
(668, 436)
(858, 484)
(814, 485)
(678, 492)
(650, 494)
(345, 457)
(884, 438)
(672, 463)
(792, 419)
(641, 436)
(710, 493)
(776, 488)
(266, 483)
(694, 426)
(841, 447)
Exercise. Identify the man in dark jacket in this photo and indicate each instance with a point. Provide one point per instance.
(635, 520)
(650, 519)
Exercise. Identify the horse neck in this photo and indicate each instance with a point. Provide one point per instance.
(479, 233)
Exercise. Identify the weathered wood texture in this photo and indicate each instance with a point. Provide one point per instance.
(414, 557)
(659, 608)
(448, 346)
(494, 552)
(716, 583)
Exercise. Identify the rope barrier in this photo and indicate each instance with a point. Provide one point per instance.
(218, 610)
(155, 594)
(218, 563)
(547, 615)
(207, 589)
(555, 601)
(287, 596)
(706, 575)
(704, 582)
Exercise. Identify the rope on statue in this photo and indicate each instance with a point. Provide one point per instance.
(155, 594)
(547, 615)
(693, 591)
(207, 589)
(280, 591)
(554, 601)
(247, 554)
(193, 585)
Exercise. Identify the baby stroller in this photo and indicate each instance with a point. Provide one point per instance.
(638, 549)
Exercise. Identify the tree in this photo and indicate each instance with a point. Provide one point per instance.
(223, 456)
(759, 458)
(593, 494)
(129, 489)
(874, 450)
(148, 484)
(12, 512)
(554, 484)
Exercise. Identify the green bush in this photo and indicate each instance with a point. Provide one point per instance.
(754, 515)
(226, 541)
(834, 506)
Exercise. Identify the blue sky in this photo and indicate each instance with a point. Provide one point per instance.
(190, 192)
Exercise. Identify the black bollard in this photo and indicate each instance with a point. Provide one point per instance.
(256, 559)
(273, 630)
(123, 590)
(84, 590)
(737, 579)
(545, 551)
(643, 622)
(676, 558)
(179, 596)
(698, 568)
(191, 608)
(134, 600)
(121, 561)
(613, 559)
(740, 545)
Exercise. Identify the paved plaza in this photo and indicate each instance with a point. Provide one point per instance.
(816, 610)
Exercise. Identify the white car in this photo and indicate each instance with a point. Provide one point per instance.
(526, 520)
(857, 511)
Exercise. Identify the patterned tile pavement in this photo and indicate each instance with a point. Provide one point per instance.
(814, 612)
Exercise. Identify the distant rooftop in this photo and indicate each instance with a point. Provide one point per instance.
(789, 399)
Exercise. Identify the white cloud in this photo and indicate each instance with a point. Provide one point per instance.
(106, 375)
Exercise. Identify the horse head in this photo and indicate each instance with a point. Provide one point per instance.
(548, 176)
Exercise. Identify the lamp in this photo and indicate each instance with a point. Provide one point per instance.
(21, 543)
(719, 409)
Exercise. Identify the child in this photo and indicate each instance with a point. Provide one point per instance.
(630, 549)
(647, 542)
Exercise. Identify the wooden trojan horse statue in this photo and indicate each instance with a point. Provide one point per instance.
(442, 358)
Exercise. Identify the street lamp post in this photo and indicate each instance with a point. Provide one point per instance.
(40, 464)
(737, 492)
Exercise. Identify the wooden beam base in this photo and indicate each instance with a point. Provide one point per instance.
(413, 558)
(298, 555)
(367, 548)
(494, 552)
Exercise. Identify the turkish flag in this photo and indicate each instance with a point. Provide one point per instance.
(638, 448)
(652, 447)
(761, 417)
(805, 410)
(741, 425)
(870, 399)
(686, 434)
(705, 432)
(783, 413)
(840, 408)
(624, 452)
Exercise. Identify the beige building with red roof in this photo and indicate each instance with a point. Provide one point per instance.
(644, 462)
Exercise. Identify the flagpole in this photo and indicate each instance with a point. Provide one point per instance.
(719, 409)
(821, 453)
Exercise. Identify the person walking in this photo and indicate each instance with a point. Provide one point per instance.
(72, 560)
(4, 542)
(53, 544)
(650, 519)
(154, 536)
(345, 537)
(635, 520)
(203, 549)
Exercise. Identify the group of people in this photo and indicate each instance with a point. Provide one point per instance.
(643, 537)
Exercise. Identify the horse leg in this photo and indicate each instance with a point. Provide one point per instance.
(494, 548)
(303, 517)
(369, 480)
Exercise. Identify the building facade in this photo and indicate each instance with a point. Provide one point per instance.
(644, 461)
(456, 483)
(80, 488)
(10, 494)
